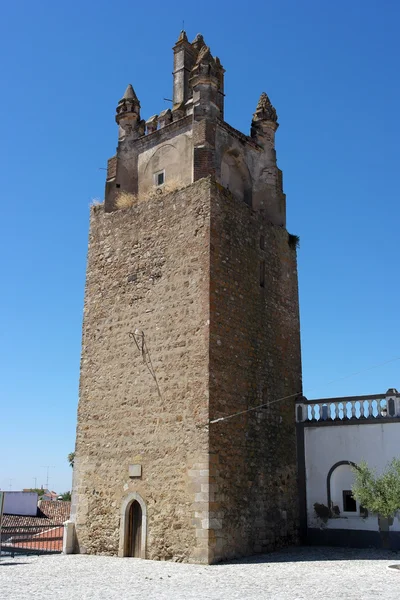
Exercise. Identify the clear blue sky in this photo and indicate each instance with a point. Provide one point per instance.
(331, 70)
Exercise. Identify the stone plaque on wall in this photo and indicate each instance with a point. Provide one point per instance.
(135, 470)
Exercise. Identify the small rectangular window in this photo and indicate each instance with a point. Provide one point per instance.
(262, 242)
(159, 178)
(262, 273)
(349, 503)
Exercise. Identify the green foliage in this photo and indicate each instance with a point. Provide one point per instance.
(322, 511)
(39, 491)
(294, 241)
(380, 494)
(66, 496)
(71, 459)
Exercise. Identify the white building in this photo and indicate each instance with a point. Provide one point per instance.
(20, 503)
(334, 435)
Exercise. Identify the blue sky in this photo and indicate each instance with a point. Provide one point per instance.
(330, 69)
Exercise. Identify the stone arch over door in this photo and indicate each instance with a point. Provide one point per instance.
(125, 532)
(235, 176)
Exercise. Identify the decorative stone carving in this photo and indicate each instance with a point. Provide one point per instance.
(205, 63)
(265, 111)
(265, 121)
(198, 42)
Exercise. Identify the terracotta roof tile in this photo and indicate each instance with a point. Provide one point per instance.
(49, 512)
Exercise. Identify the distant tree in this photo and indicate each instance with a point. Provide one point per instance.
(38, 491)
(71, 459)
(65, 496)
(380, 494)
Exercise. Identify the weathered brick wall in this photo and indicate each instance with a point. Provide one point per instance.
(204, 132)
(148, 270)
(254, 359)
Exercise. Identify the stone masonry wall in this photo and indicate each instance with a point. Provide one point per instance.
(147, 404)
(183, 275)
(254, 359)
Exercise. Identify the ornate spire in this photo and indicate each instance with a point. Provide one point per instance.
(182, 37)
(205, 63)
(204, 55)
(265, 111)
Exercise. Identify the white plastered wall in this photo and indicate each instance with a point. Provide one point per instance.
(376, 444)
(20, 503)
(174, 157)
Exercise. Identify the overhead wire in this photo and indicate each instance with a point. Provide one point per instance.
(266, 404)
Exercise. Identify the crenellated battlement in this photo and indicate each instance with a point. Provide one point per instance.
(191, 140)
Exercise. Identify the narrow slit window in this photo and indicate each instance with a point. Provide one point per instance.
(262, 273)
(262, 242)
(349, 503)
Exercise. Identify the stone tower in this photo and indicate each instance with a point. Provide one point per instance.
(191, 322)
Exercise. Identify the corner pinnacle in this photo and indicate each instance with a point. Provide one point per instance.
(182, 37)
(130, 94)
(265, 111)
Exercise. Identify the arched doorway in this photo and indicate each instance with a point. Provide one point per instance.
(134, 533)
(133, 526)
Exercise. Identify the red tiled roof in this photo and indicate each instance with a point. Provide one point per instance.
(56, 510)
(49, 512)
(50, 540)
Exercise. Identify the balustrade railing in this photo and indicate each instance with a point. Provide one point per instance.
(378, 406)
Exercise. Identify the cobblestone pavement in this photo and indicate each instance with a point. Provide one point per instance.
(293, 574)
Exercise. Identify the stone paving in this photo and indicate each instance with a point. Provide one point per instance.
(293, 574)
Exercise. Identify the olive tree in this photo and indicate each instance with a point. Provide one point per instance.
(379, 494)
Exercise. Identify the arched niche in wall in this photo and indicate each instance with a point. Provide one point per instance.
(339, 482)
(172, 159)
(235, 176)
